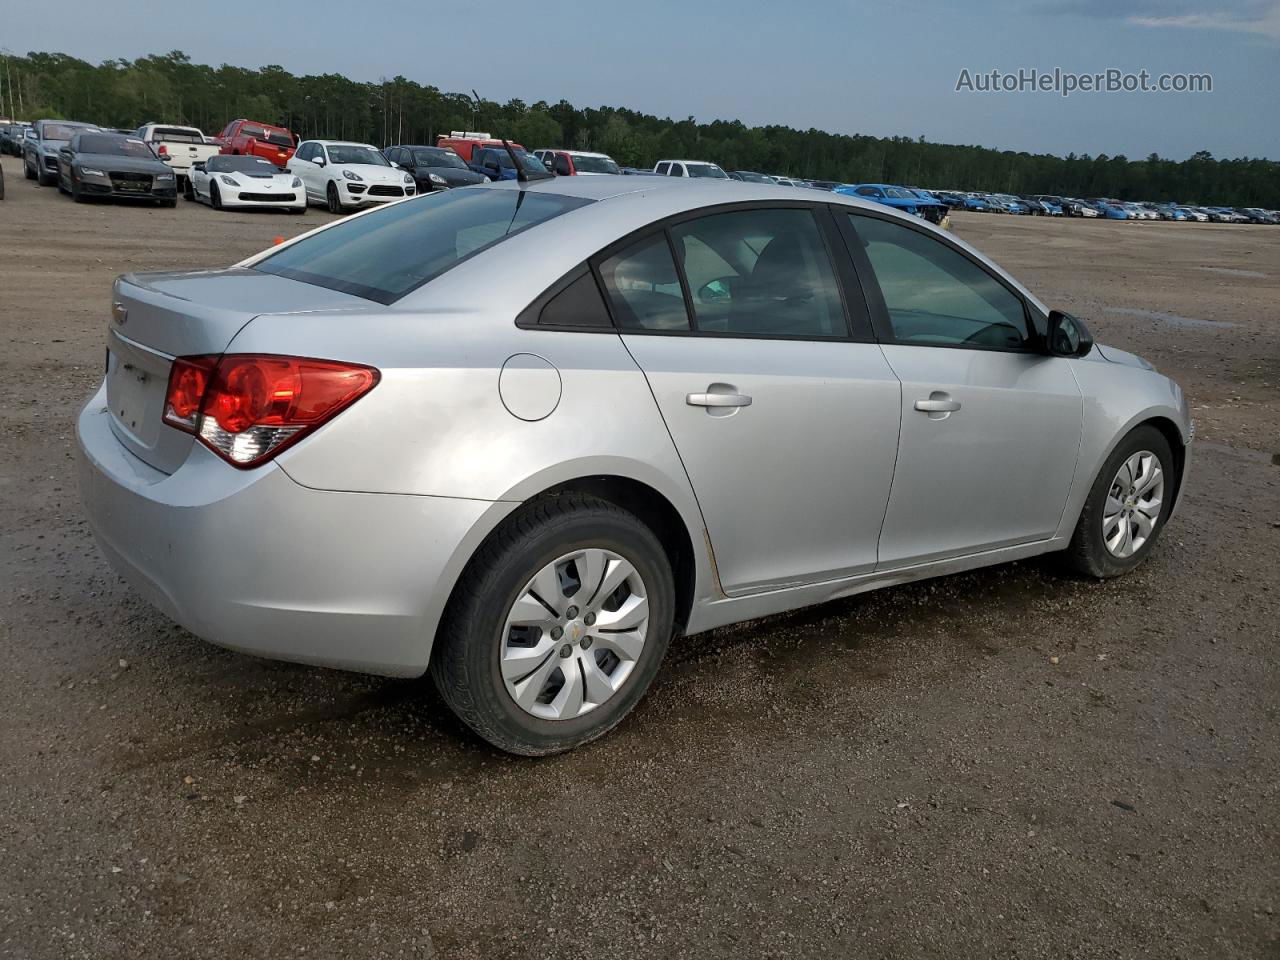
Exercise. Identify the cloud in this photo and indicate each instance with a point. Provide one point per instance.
(1257, 17)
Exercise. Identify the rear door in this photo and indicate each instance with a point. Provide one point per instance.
(784, 413)
(990, 424)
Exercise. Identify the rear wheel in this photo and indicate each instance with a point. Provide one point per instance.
(557, 626)
(1127, 506)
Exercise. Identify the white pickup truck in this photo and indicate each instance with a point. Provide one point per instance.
(180, 147)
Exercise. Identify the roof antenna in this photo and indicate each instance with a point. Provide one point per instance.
(522, 175)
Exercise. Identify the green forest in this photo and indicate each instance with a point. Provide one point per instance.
(170, 88)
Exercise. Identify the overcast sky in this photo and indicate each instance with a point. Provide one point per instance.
(878, 67)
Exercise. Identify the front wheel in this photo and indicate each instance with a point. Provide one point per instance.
(557, 626)
(332, 200)
(1127, 506)
(215, 197)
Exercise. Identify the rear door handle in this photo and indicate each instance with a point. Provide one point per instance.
(937, 406)
(718, 400)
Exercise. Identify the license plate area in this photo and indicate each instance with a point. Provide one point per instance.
(137, 379)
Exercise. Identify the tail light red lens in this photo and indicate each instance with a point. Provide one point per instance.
(249, 407)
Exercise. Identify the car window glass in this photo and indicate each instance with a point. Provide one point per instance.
(577, 305)
(562, 165)
(677, 170)
(644, 288)
(760, 272)
(250, 130)
(936, 295)
(387, 253)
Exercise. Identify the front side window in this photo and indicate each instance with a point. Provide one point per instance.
(386, 254)
(935, 295)
(760, 273)
(644, 287)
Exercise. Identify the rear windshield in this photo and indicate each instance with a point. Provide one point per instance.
(115, 146)
(177, 135)
(384, 255)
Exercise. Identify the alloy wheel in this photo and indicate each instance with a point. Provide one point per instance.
(574, 634)
(1133, 504)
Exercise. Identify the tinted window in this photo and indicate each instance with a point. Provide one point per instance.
(707, 171)
(644, 288)
(252, 130)
(595, 165)
(386, 254)
(561, 163)
(760, 272)
(114, 146)
(59, 131)
(176, 135)
(226, 163)
(439, 158)
(936, 295)
(577, 305)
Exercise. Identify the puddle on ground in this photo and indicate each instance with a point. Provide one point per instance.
(1233, 272)
(1173, 318)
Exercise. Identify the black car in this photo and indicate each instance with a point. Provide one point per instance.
(433, 168)
(11, 137)
(748, 176)
(40, 148)
(98, 164)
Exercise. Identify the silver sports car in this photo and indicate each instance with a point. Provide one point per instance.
(522, 435)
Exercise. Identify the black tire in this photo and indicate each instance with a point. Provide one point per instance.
(215, 198)
(332, 201)
(27, 170)
(465, 663)
(188, 191)
(43, 178)
(297, 211)
(170, 203)
(76, 195)
(1088, 554)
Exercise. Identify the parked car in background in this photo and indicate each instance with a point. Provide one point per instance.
(250, 138)
(179, 146)
(495, 163)
(1, 182)
(225, 181)
(433, 168)
(694, 169)
(42, 144)
(1191, 213)
(783, 181)
(1258, 215)
(350, 511)
(12, 137)
(96, 164)
(900, 198)
(827, 185)
(572, 163)
(1107, 209)
(465, 145)
(747, 176)
(637, 172)
(343, 175)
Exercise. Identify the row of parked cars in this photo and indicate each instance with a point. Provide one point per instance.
(250, 164)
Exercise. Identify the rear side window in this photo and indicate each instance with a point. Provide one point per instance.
(644, 287)
(760, 273)
(578, 305)
(384, 255)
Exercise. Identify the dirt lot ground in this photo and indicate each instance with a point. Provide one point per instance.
(908, 774)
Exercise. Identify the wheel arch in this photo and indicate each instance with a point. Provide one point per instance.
(687, 547)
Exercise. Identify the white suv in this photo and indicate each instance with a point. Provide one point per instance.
(689, 168)
(342, 175)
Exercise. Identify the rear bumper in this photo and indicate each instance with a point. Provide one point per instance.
(253, 561)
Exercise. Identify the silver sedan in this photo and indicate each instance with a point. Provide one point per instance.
(522, 435)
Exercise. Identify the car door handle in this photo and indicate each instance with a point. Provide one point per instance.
(934, 405)
(718, 400)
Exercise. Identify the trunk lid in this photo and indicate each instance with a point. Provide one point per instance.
(158, 316)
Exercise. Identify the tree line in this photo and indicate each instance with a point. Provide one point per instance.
(170, 88)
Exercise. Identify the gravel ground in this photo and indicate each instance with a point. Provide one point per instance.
(1007, 763)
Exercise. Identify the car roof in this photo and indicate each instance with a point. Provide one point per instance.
(342, 143)
(709, 163)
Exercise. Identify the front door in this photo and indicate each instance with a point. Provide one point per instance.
(786, 423)
(990, 424)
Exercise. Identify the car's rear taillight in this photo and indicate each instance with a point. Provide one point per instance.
(162, 150)
(249, 407)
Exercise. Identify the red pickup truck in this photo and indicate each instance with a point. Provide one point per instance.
(250, 138)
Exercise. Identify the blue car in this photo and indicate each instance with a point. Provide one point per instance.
(900, 198)
(1109, 210)
(495, 163)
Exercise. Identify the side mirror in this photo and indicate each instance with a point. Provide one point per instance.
(1067, 336)
(319, 161)
(198, 165)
